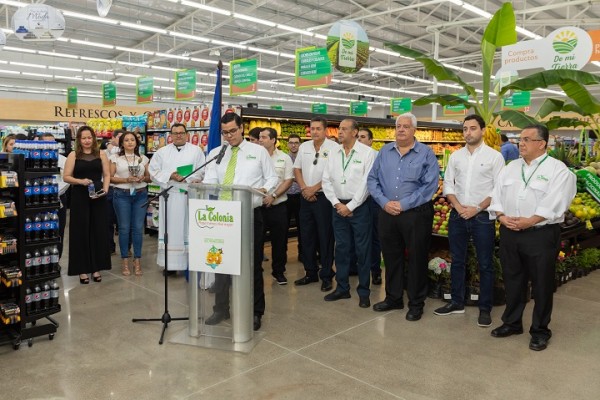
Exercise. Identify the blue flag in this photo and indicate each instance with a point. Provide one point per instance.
(214, 133)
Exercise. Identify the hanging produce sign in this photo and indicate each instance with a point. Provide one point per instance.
(459, 109)
(109, 94)
(145, 89)
(38, 22)
(359, 108)
(318, 108)
(242, 77)
(347, 46)
(313, 68)
(400, 106)
(517, 101)
(275, 107)
(185, 84)
(72, 97)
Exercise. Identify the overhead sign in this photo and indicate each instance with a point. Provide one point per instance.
(347, 46)
(144, 89)
(38, 22)
(400, 106)
(109, 94)
(313, 68)
(277, 107)
(243, 77)
(318, 108)
(359, 108)
(215, 234)
(564, 48)
(72, 97)
(185, 84)
(517, 101)
(458, 109)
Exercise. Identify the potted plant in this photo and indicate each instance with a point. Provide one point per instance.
(439, 278)
(472, 290)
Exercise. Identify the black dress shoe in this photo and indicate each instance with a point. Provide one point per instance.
(333, 296)
(385, 306)
(376, 279)
(505, 331)
(326, 286)
(305, 281)
(217, 317)
(414, 315)
(364, 302)
(538, 343)
(257, 322)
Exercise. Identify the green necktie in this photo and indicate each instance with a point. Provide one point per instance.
(230, 173)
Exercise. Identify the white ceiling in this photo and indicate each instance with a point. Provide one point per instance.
(157, 26)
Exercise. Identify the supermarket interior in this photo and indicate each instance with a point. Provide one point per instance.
(150, 66)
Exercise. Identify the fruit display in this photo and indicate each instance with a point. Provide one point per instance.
(491, 137)
(594, 168)
(382, 132)
(453, 137)
(288, 128)
(438, 148)
(570, 220)
(585, 207)
(104, 127)
(441, 215)
(262, 123)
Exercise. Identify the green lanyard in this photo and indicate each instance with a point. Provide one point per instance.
(345, 165)
(526, 182)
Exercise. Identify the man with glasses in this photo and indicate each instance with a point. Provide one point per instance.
(248, 164)
(275, 204)
(403, 180)
(315, 210)
(168, 166)
(293, 193)
(529, 199)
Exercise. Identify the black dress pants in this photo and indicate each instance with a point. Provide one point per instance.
(275, 221)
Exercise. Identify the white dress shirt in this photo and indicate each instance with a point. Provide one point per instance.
(471, 176)
(253, 168)
(62, 185)
(284, 169)
(549, 190)
(345, 176)
(311, 173)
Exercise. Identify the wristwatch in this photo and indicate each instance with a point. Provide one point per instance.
(274, 195)
(478, 209)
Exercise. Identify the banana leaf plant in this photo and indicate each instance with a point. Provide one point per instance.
(501, 31)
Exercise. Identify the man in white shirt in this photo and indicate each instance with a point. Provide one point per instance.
(315, 210)
(168, 166)
(252, 167)
(468, 183)
(275, 204)
(345, 186)
(530, 199)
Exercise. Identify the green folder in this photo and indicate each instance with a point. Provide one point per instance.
(185, 170)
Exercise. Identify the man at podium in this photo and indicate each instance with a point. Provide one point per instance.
(247, 164)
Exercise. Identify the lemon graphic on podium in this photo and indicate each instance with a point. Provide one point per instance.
(214, 257)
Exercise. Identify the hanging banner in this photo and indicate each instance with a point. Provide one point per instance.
(144, 89)
(563, 48)
(595, 36)
(517, 101)
(318, 108)
(400, 106)
(358, 108)
(243, 77)
(313, 68)
(38, 23)
(215, 234)
(279, 108)
(72, 97)
(185, 84)
(109, 94)
(347, 46)
(457, 110)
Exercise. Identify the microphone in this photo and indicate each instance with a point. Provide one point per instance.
(221, 153)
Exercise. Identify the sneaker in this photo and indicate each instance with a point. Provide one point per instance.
(280, 279)
(450, 308)
(484, 319)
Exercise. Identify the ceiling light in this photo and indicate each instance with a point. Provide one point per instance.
(261, 21)
(90, 17)
(22, 64)
(94, 44)
(143, 27)
(188, 36)
(223, 43)
(131, 50)
(296, 30)
(167, 55)
(477, 10)
(264, 51)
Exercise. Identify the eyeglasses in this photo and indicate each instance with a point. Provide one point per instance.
(293, 143)
(178, 133)
(316, 160)
(527, 140)
(230, 132)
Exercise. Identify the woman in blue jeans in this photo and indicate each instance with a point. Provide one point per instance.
(129, 175)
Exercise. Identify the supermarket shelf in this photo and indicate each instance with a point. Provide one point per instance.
(200, 128)
(40, 314)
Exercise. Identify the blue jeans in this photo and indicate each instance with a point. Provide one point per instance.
(481, 229)
(131, 217)
(353, 234)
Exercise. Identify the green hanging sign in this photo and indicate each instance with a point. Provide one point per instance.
(109, 94)
(243, 77)
(313, 68)
(145, 89)
(72, 97)
(359, 108)
(400, 106)
(185, 84)
(517, 101)
(318, 108)
(279, 108)
(459, 109)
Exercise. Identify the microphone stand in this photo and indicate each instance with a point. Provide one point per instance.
(166, 317)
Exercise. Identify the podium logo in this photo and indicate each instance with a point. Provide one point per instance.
(214, 257)
(565, 42)
(209, 217)
(348, 40)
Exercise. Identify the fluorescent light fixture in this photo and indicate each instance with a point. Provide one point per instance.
(477, 10)
(319, 36)
(7, 71)
(102, 60)
(94, 44)
(127, 75)
(288, 55)
(230, 44)
(22, 64)
(167, 55)
(164, 68)
(20, 50)
(134, 64)
(94, 80)
(143, 27)
(265, 51)
(132, 50)
(95, 71)
(64, 69)
(89, 17)
(527, 33)
(254, 19)
(38, 75)
(13, 3)
(188, 36)
(457, 2)
(68, 78)
(296, 30)
(388, 52)
(203, 61)
(205, 7)
(55, 54)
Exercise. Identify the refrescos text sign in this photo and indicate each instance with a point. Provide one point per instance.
(215, 236)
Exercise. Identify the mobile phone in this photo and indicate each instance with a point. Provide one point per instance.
(97, 194)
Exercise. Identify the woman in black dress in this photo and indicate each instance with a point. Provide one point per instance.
(89, 251)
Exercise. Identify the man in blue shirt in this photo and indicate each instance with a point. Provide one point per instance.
(403, 181)
(509, 151)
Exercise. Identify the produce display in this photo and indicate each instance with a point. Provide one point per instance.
(585, 207)
(104, 127)
(441, 215)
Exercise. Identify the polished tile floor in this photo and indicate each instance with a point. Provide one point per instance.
(311, 349)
